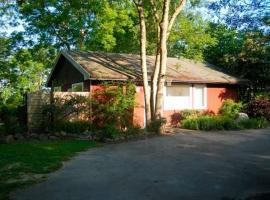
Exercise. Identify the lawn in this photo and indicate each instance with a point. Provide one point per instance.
(27, 163)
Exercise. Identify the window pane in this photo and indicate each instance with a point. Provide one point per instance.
(179, 90)
(199, 96)
(77, 87)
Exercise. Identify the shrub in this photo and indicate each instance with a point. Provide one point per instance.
(259, 108)
(114, 104)
(132, 131)
(155, 125)
(230, 108)
(109, 131)
(208, 123)
(254, 123)
(10, 117)
(190, 113)
(74, 127)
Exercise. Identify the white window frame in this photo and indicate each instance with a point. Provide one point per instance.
(174, 102)
(205, 96)
(76, 84)
(57, 89)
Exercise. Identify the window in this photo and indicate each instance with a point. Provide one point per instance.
(199, 96)
(181, 90)
(77, 87)
(57, 89)
(177, 97)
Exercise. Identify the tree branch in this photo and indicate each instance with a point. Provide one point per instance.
(178, 9)
(154, 10)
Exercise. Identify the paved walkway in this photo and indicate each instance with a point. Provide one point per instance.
(189, 166)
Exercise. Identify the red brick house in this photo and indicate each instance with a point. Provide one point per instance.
(189, 84)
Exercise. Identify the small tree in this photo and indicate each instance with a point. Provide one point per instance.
(164, 25)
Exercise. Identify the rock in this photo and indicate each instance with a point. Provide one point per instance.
(19, 136)
(63, 133)
(52, 137)
(43, 137)
(34, 136)
(109, 140)
(9, 139)
(242, 117)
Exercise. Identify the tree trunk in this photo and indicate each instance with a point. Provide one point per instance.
(155, 73)
(163, 58)
(143, 40)
(154, 81)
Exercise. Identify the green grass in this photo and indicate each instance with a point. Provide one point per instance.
(27, 163)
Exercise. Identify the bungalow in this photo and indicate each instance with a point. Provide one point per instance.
(189, 84)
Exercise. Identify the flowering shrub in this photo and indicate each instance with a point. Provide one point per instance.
(259, 108)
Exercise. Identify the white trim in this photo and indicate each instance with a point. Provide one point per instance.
(76, 84)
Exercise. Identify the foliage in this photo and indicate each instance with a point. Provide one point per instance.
(250, 14)
(12, 119)
(85, 25)
(155, 125)
(24, 71)
(254, 123)
(208, 123)
(259, 108)
(74, 127)
(230, 108)
(243, 54)
(56, 114)
(110, 109)
(132, 131)
(190, 113)
(190, 37)
(109, 130)
(113, 105)
(33, 160)
(178, 117)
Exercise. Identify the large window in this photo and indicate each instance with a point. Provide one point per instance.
(185, 96)
(77, 87)
(177, 97)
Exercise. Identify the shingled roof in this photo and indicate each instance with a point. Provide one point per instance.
(114, 66)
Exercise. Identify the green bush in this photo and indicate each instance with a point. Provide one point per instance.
(208, 123)
(10, 117)
(190, 113)
(230, 108)
(109, 131)
(74, 127)
(132, 131)
(155, 125)
(254, 123)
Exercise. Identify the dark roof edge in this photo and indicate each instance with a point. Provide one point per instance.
(85, 74)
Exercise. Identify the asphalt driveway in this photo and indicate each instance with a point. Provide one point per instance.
(188, 165)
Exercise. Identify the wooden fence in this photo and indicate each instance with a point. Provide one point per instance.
(35, 102)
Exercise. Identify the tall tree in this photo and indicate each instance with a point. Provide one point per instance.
(164, 26)
(245, 14)
(141, 12)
